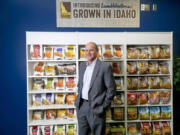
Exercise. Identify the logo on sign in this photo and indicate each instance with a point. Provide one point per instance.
(65, 9)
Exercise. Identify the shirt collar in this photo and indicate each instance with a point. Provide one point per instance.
(92, 64)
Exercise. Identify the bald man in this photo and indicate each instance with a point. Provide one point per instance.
(96, 89)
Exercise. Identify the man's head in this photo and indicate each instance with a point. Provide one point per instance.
(91, 51)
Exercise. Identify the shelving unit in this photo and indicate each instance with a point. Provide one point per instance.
(79, 39)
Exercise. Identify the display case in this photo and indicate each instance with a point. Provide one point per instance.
(142, 68)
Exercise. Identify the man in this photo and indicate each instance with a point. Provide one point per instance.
(96, 89)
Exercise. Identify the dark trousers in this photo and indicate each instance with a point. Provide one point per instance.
(88, 122)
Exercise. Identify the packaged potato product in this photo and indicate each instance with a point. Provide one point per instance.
(146, 128)
(47, 130)
(38, 84)
(50, 114)
(132, 113)
(154, 82)
(117, 51)
(60, 98)
(70, 52)
(71, 113)
(132, 53)
(70, 98)
(166, 128)
(116, 67)
(49, 83)
(36, 51)
(71, 129)
(132, 83)
(119, 83)
(48, 99)
(62, 114)
(37, 99)
(48, 52)
(37, 115)
(144, 113)
(143, 67)
(108, 113)
(131, 67)
(154, 97)
(165, 112)
(50, 69)
(165, 82)
(118, 98)
(99, 54)
(143, 83)
(39, 69)
(59, 130)
(61, 68)
(153, 67)
(107, 51)
(34, 130)
(164, 67)
(165, 97)
(118, 113)
(143, 98)
(82, 53)
(154, 52)
(58, 53)
(59, 83)
(132, 98)
(108, 129)
(132, 129)
(70, 68)
(117, 129)
(143, 52)
(70, 83)
(164, 52)
(155, 113)
(157, 130)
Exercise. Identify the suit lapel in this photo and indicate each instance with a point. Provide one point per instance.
(82, 71)
(96, 69)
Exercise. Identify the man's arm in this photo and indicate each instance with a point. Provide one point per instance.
(110, 85)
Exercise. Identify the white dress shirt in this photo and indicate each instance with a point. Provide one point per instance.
(87, 79)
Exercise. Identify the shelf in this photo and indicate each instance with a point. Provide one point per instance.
(51, 91)
(45, 107)
(52, 122)
(114, 60)
(148, 59)
(107, 60)
(149, 75)
(113, 105)
(115, 75)
(52, 76)
(148, 105)
(148, 90)
(114, 121)
(51, 60)
(119, 90)
(149, 120)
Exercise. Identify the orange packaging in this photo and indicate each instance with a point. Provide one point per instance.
(70, 98)
(48, 52)
(117, 51)
(107, 52)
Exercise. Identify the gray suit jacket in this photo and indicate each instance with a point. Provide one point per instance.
(102, 87)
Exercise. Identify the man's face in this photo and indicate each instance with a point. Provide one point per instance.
(90, 52)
